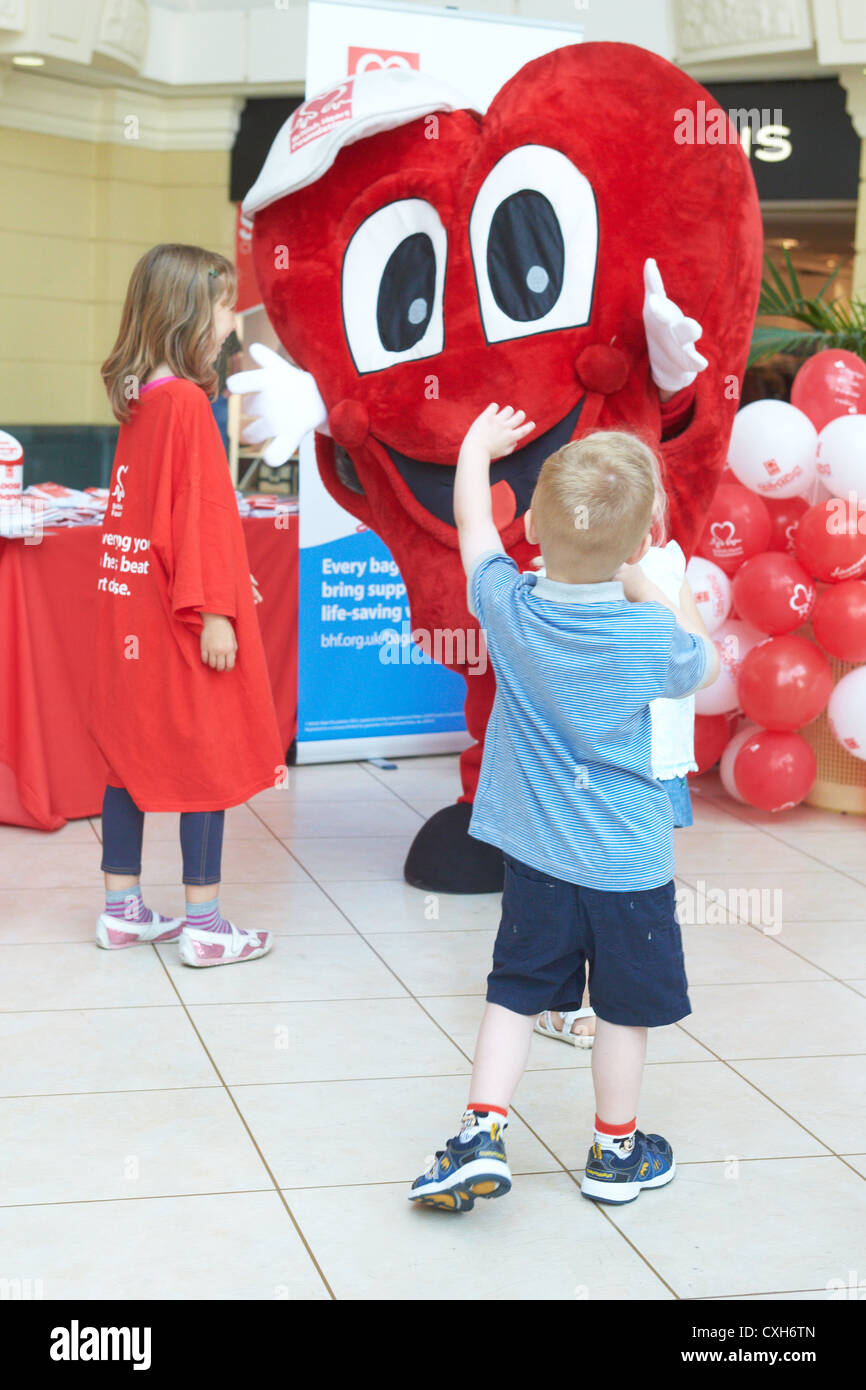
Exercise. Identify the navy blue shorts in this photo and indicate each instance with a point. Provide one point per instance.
(551, 928)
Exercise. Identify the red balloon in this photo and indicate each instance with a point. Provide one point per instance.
(774, 592)
(774, 770)
(712, 735)
(784, 683)
(738, 526)
(830, 384)
(839, 620)
(829, 543)
(785, 513)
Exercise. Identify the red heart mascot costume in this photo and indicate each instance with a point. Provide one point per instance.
(418, 261)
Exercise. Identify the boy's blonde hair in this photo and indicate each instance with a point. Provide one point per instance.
(595, 501)
(168, 317)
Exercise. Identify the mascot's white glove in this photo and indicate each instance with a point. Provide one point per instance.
(287, 404)
(674, 359)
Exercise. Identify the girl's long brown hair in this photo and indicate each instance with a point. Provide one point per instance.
(168, 317)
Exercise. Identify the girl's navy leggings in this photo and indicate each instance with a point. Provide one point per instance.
(201, 839)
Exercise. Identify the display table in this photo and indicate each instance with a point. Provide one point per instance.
(50, 769)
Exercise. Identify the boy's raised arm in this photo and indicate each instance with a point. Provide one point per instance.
(492, 435)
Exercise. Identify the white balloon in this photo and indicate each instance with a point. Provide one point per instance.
(734, 639)
(842, 456)
(846, 712)
(712, 591)
(773, 449)
(729, 757)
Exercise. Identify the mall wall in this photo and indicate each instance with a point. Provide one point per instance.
(75, 215)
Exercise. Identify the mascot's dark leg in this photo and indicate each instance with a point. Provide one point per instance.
(444, 857)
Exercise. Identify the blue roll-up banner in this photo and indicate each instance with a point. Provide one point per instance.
(365, 689)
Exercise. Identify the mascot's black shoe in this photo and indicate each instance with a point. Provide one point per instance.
(445, 859)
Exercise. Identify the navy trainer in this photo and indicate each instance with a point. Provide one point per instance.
(609, 1178)
(465, 1169)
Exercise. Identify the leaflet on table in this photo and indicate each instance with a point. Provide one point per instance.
(21, 519)
(364, 687)
(46, 504)
(265, 504)
(37, 508)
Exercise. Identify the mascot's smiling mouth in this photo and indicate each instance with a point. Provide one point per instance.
(432, 484)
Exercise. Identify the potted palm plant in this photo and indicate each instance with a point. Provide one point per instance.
(820, 322)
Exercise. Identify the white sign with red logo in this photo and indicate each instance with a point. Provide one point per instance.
(11, 468)
(474, 53)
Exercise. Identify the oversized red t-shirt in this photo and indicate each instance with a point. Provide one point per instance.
(178, 735)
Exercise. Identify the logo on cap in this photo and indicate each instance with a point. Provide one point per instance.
(320, 114)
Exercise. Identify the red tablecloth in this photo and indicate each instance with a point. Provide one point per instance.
(50, 769)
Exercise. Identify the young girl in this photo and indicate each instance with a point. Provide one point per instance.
(181, 703)
(673, 750)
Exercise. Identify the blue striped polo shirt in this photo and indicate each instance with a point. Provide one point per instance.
(566, 783)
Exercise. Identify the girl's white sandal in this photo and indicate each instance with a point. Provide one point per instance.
(544, 1024)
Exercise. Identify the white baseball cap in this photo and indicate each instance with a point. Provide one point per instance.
(310, 140)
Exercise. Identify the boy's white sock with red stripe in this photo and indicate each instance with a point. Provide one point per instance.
(619, 1139)
(481, 1117)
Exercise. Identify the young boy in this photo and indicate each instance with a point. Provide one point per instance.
(567, 793)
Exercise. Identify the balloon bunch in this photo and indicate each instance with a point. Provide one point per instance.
(785, 544)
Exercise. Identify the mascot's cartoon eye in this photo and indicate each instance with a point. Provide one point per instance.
(393, 278)
(533, 231)
(525, 256)
(406, 292)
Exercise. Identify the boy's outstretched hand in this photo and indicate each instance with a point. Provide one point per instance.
(492, 435)
(498, 431)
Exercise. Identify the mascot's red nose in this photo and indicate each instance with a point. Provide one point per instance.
(349, 424)
(602, 369)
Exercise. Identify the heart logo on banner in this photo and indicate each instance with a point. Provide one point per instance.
(374, 59)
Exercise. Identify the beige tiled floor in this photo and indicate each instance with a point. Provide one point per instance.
(253, 1132)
